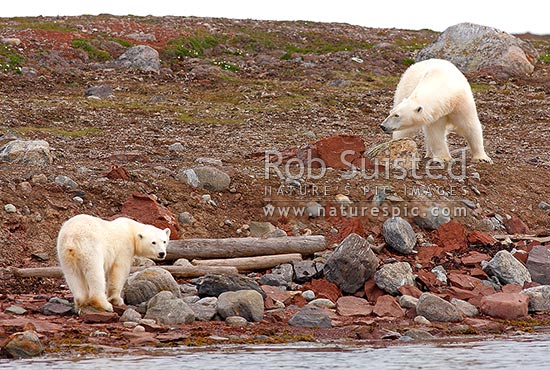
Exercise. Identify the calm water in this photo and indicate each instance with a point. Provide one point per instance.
(522, 352)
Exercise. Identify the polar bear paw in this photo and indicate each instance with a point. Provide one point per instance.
(482, 159)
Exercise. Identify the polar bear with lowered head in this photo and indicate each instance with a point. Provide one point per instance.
(96, 256)
(433, 95)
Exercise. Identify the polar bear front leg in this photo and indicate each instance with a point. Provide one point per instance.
(115, 280)
(474, 137)
(436, 140)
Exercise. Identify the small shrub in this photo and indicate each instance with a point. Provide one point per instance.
(226, 66)
(9, 60)
(93, 52)
(408, 62)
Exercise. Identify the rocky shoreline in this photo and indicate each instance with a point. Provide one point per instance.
(191, 124)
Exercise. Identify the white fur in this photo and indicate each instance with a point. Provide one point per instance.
(96, 256)
(433, 95)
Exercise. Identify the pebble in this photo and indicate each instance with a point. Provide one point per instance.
(176, 147)
(138, 329)
(186, 218)
(78, 200)
(16, 310)
(544, 206)
(308, 295)
(65, 181)
(421, 320)
(322, 302)
(236, 321)
(10, 208)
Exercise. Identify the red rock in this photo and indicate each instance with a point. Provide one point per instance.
(118, 172)
(429, 279)
(521, 256)
(299, 301)
(485, 326)
(478, 273)
(277, 294)
(372, 291)
(353, 306)
(143, 208)
(474, 258)
(512, 288)
(479, 238)
(410, 290)
(515, 225)
(463, 281)
(330, 150)
(141, 339)
(507, 306)
(450, 236)
(459, 293)
(92, 317)
(387, 305)
(324, 289)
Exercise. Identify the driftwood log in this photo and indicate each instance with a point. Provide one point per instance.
(245, 264)
(539, 239)
(176, 271)
(243, 247)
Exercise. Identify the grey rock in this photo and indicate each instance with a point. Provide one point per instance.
(399, 235)
(189, 299)
(188, 289)
(208, 301)
(12, 41)
(432, 219)
(314, 209)
(305, 271)
(260, 229)
(101, 91)
(285, 270)
(339, 83)
(539, 298)
(434, 308)
(205, 177)
(209, 161)
(472, 47)
(441, 274)
(142, 57)
(245, 303)
(421, 320)
(165, 308)
(203, 312)
(130, 315)
(308, 295)
(176, 148)
(311, 317)
(55, 308)
(141, 36)
(507, 269)
(351, 264)
(418, 334)
(544, 206)
(277, 233)
(214, 285)
(15, 310)
(183, 262)
(322, 303)
(65, 181)
(273, 280)
(466, 308)
(186, 218)
(407, 301)
(236, 321)
(142, 285)
(143, 262)
(392, 276)
(538, 264)
(32, 152)
(23, 345)
(10, 208)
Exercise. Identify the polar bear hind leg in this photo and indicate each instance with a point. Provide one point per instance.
(115, 282)
(95, 279)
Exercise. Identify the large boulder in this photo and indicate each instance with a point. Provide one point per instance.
(472, 47)
(507, 269)
(435, 308)
(539, 298)
(538, 264)
(143, 285)
(351, 264)
(393, 276)
(245, 303)
(32, 152)
(311, 317)
(141, 57)
(167, 309)
(205, 177)
(399, 235)
(507, 306)
(214, 285)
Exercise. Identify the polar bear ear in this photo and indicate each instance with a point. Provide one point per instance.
(419, 109)
(167, 231)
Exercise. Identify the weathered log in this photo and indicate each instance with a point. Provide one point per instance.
(243, 247)
(176, 271)
(245, 264)
(539, 239)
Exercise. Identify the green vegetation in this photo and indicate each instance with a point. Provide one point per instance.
(316, 43)
(36, 24)
(545, 58)
(93, 52)
(408, 62)
(226, 66)
(193, 46)
(126, 44)
(9, 60)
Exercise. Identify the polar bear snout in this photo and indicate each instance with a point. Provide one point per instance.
(161, 255)
(386, 126)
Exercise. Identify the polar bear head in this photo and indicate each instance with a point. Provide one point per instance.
(151, 242)
(405, 115)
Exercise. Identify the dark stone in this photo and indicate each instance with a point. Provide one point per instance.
(311, 317)
(214, 285)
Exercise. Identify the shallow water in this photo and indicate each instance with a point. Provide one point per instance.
(521, 352)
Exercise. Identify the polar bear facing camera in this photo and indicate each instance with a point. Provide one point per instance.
(433, 95)
(96, 256)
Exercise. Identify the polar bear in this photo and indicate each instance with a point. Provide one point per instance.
(96, 255)
(433, 95)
